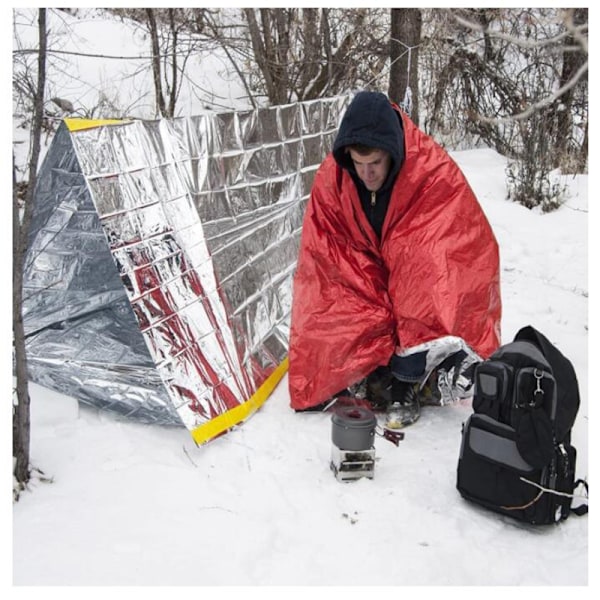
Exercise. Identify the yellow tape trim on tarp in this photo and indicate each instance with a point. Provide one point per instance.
(79, 124)
(232, 417)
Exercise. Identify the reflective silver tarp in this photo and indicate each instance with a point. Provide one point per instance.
(159, 274)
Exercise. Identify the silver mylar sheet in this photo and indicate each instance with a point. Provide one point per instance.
(159, 274)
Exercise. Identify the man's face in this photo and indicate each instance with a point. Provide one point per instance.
(372, 168)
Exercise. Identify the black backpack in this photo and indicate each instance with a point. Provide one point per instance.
(516, 456)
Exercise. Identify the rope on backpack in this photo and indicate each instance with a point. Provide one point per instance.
(523, 506)
(580, 510)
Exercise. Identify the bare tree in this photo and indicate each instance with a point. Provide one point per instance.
(165, 57)
(216, 30)
(507, 78)
(270, 47)
(175, 35)
(571, 107)
(307, 53)
(405, 40)
(553, 36)
(21, 412)
(283, 55)
(162, 86)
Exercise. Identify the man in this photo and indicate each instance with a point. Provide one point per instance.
(398, 267)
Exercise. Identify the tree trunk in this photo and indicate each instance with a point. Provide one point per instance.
(271, 48)
(261, 46)
(173, 92)
(156, 70)
(405, 39)
(570, 155)
(21, 412)
(281, 18)
(337, 62)
(311, 44)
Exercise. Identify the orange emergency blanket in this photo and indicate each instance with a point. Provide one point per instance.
(357, 300)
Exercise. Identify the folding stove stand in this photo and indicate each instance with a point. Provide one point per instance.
(349, 465)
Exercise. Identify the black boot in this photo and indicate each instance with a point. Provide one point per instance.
(379, 388)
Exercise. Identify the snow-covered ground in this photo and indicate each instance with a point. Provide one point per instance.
(129, 504)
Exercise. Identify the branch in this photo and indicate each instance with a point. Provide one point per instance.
(25, 51)
(575, 31)
(235, 65)
(542, 103)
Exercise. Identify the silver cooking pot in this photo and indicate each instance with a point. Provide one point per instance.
(353, 428)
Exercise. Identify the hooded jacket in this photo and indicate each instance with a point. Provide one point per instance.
(358, 297)
(371, 121)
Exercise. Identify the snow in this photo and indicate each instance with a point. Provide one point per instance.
(130, 504)
(125, 504)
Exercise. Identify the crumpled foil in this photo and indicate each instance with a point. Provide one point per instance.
(158, 278)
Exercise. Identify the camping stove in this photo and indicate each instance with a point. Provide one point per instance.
(352, 434)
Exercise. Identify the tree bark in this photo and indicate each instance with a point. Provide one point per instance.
(311, 45)
(174, 84)
(337, 62)
(261, 45)
(405, 39)
(156, 70)
(570, 155)
(21, 412)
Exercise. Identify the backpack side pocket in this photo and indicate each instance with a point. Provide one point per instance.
(491, 394)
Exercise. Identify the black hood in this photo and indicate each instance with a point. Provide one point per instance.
(372, 121)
